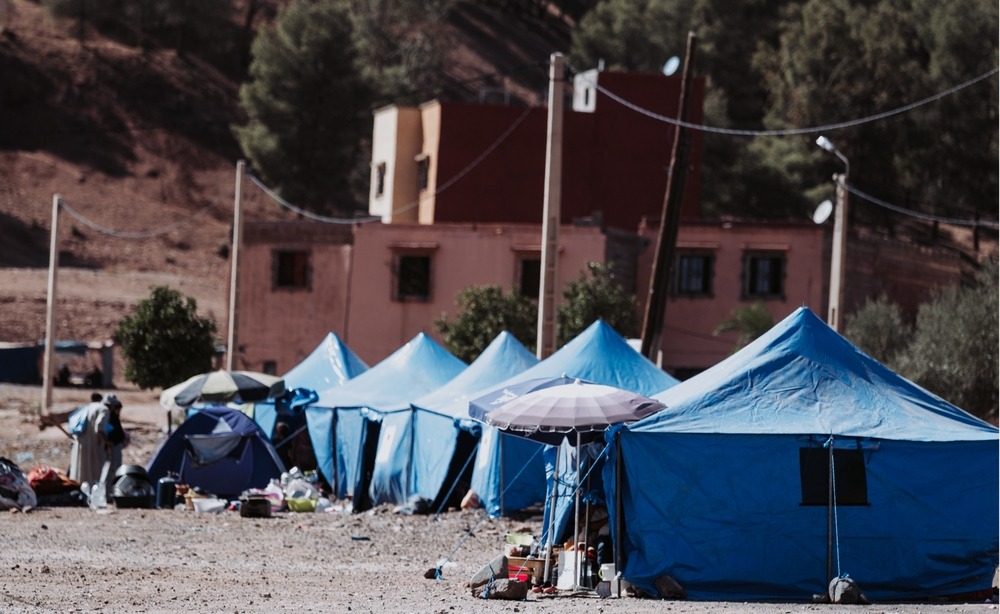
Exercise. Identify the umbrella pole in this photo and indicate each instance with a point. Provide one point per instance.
(576, 512)
(552, 513)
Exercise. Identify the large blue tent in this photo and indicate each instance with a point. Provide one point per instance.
(728, 490)
(362, 423)
(330, 364)
(599, 355)
(445, 438)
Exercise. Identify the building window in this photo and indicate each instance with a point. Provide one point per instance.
(413, 278)
(291, 270)
(764, 275)
(270, 367)
(850, 482)
(380, 179)
(530, 277)
(423, 171)
(694, 274)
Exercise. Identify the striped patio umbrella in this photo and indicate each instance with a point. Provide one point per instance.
(223, 387)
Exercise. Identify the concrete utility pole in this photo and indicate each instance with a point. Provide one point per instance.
(835, 315)
(546, 340)
(50, 307)
(234, 274)
(666, 240)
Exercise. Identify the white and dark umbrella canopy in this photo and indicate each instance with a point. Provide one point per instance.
(223, 387)
(550, 414)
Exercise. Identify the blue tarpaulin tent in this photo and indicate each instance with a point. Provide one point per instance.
(329, 365)
(727, 490)
(444, 437)
(349, 424)
(219, 449)
(599, 355)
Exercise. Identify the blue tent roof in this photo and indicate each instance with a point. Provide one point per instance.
(331, 364)
(503, 358)
(337, 421)
(413, 370)
(727, 490)
(599, 355)
(439, 414)
(801, 377)
(602, 356)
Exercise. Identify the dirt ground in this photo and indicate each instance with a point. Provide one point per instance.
(62, 559)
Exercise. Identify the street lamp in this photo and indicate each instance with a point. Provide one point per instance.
(835, 316)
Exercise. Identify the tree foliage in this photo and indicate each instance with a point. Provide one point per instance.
(750, 321)
(165, 341)
(483, 313)
(807, 63)
(631, 35)
(879, 330)
(955, 346)
(595, 295)
(307, 104)
(315, 79)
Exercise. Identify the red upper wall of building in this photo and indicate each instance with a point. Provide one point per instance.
(615, 159)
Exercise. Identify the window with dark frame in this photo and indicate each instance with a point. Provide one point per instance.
(530, 277)
(291, 269)
(694, 273)
(270, 367)
(413, 278)
(423, 171)
(850, 481)
(764, 275)
(380, 179)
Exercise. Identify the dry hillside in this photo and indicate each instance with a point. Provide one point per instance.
(138, 146)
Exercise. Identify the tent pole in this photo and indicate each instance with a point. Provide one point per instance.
(552, 512)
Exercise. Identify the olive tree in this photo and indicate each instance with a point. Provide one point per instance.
(164, 341)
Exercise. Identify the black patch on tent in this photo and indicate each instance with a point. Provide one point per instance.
(851, 483)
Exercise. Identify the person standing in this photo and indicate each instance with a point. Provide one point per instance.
(93, 446)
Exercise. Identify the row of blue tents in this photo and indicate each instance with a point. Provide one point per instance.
(797, 459)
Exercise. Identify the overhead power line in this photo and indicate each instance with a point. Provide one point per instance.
(788, 131)
(121, 234)
(917, 214)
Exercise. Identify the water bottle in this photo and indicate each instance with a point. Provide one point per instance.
(98, 497)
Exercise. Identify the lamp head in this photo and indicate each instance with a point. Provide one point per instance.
(825, 143)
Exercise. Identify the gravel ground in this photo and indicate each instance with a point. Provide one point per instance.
(126, 560)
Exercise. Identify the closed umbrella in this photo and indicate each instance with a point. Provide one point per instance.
(578, 410)
(223, 387)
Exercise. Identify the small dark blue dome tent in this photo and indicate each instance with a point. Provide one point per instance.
(220, 450)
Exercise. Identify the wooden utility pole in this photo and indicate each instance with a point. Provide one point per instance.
(666, 240)
(50, 307)
(546, 340)
(234, 275)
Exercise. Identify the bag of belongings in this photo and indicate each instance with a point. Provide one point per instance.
(15, 491)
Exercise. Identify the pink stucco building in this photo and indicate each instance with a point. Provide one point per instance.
(458, 189)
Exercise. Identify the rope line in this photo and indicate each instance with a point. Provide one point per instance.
(121, 234)
(313, 216)
(788, 131)
(833, 487)
(917, 214)
(444, 501)
(444, 186)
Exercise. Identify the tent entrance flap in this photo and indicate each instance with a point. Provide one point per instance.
(207, 449)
